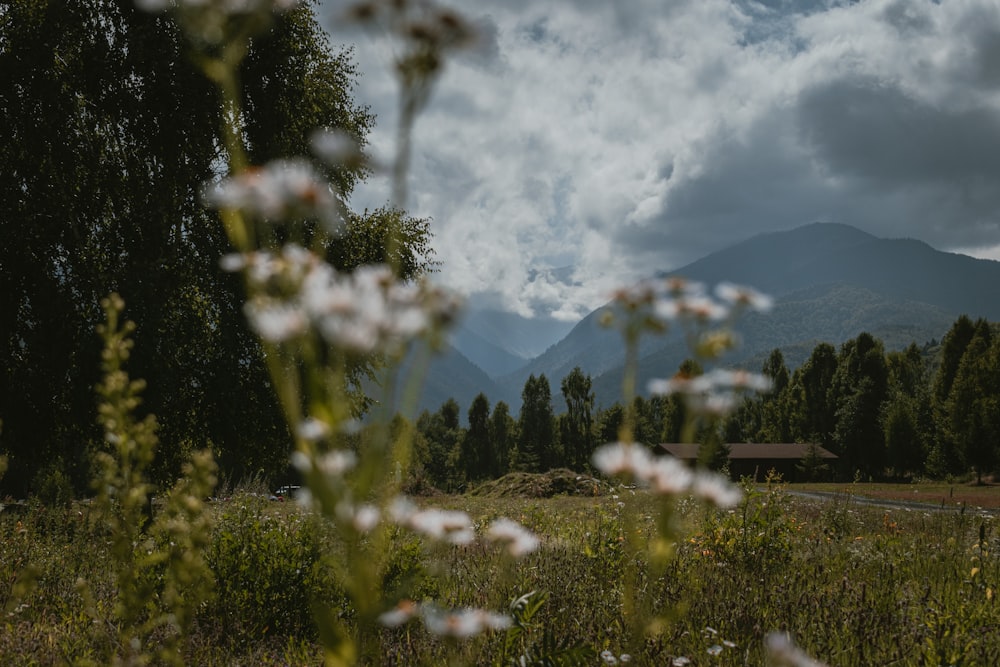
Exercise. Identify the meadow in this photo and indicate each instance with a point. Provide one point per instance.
(851, 584)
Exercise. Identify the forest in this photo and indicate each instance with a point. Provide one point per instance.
(926, 411)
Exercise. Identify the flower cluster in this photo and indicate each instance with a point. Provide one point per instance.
(281, 190)
(365, 311)
(654, 304)
(519, 540)
(715, 393)
(458, 624)
(664, 475)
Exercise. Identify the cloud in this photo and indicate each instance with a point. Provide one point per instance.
(619, 139)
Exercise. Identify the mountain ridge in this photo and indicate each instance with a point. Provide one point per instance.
(830, 281)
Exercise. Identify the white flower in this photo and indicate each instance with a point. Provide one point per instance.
(447, 525)
(463, 623)
(280, 190)
(783, 651)
(313, 429)
(716, 489)
(669, 476)
(520, 541)
(337, 462)
(748, 297)
(366, 518)
(275, 322)
(622, 458)
(400, 614)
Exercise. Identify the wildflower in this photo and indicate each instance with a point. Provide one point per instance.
(623, 458)
(608, 657)
(279, 191)
(669, 476)
(363, 518)
(463, 623)
(400, 614)
(312, 429)
(714, 649)
(275, 322)
(337, 462)
(783, 651)
(520, 541)
(716, 489)
(747, 297)
(446, 525)
(681, 661)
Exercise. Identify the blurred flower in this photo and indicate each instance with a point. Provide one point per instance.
(281, 190)
(400, 614)
(748, 297)
(716, 489)
(364, 311)
(462, 623)
(520, 541)
(622, 458)
(445, 525)
(783, 651)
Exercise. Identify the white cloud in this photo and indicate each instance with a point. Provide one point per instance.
(625, 138)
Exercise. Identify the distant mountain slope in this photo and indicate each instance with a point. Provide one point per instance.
(800, 321)
(827, 253)
(831, 282)
(490, 357)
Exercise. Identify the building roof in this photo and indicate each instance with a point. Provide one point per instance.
(751, 450)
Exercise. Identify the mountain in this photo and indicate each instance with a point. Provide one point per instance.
(830, 282)
(500, 342)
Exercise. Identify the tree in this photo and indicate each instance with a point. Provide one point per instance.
(577, 425)
(537, 449)
(812, 408)
(109, 132)
(945, 457)
(775, 423)
(973, 423)
(478, 458)
(859, 388)
(444, 435)
(503, 436)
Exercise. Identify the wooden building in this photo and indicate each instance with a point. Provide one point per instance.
(749, 459)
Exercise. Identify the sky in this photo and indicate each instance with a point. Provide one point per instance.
(584, 144)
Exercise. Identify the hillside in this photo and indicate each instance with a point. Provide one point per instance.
(831, 282)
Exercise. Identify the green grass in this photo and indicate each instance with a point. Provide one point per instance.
(971, 495)
(854, 585)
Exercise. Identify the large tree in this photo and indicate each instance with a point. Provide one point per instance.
(576, 426)
(108, 133)
(537, 447)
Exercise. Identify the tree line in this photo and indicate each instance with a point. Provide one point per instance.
(110, 132)
(925, 411)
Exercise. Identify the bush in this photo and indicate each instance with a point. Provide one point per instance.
(267, 562)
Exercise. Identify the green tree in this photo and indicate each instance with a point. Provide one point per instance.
(503, 435)
(945, 457)
(537, 449)
(109, 132)
(444, 435)
(576, 426)
(859, 388)
(811, 405)
(973, 423)
(478, 457)
(775, 419)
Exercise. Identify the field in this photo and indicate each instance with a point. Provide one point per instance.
(940, 494)
(852, 584)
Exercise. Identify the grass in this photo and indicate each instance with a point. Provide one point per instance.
(854, 585)
(937, 494)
